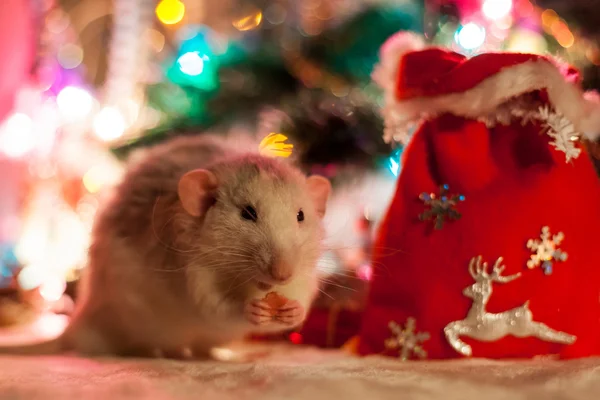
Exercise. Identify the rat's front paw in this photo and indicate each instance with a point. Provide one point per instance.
(292, 313)
(258, 312)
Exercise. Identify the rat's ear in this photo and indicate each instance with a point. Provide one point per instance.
(195, 191)
(319, 189)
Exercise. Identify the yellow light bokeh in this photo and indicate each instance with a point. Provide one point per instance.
(156, 39)
(525, 41)
(505, 23)
(562, 33)
(170, 12)
(248, 22)
(558, 27)
(549, 17)
(565, 39)
(70, 56)
(93, 179)
(593, 55)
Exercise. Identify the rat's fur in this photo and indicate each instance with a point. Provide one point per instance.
(160, 280)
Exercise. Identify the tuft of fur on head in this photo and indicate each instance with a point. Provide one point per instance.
(238, 252)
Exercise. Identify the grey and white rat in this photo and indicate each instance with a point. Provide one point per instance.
(188, 246)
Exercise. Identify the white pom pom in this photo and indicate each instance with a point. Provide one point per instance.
(390, 54)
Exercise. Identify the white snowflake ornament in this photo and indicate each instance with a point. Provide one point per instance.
(546, 250)
(406, 340)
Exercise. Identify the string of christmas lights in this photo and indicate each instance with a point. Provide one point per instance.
(47, 138)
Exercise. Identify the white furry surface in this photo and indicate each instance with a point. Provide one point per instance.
(297, 373)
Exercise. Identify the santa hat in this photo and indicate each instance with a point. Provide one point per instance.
(489, 245)
(433, 81)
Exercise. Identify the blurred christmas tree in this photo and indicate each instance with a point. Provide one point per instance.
(297, 58)
(276, 50)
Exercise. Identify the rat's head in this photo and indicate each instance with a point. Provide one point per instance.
(258, 219)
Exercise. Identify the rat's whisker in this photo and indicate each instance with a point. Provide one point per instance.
(233, 281)
(325, 293)
(237, 286)
(229, 265)
(340, 286)
(230, 257)
(229, 252)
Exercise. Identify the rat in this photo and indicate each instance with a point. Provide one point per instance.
(186, 249)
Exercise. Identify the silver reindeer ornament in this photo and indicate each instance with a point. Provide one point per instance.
(488, 327)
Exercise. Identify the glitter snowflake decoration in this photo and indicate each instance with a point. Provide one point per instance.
(441, 207)
(554, 124)
(546, 251)
(562, 132)
(406, 341)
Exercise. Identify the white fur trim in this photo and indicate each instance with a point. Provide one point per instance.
(390, 55)
(568, 99)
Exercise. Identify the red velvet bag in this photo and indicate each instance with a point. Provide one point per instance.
(496, 213)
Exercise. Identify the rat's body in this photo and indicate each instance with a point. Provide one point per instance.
(191, 241)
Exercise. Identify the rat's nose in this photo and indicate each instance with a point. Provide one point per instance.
(281, 272)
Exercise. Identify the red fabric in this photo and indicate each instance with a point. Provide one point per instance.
(435, 71)
(315, 328)
(515, 183)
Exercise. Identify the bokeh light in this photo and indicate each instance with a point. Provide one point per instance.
(70, 56)
(394, 166)
(156, 40)
(296, 338)
(562, 33)
(57, 21)
(170, 12)
(74, 103)
(32, 276)
(565, 39)
(549, 17)
(53, 288)
(504, 23)
(17, 136)
(593, 55)
(248, 22)
(470, 36)
(527, 41)
(191, 63)
(49, 325)
(365, 272)
(275, 14)
(100, 176)
(496, 9)
(109, 124)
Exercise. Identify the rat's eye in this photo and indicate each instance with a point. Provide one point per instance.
(300, 216)
(249, 213)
